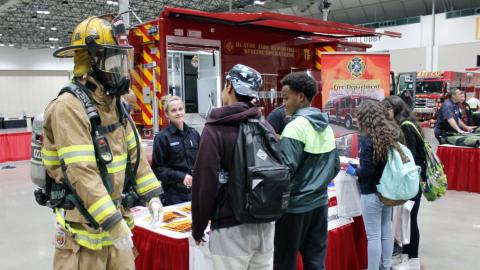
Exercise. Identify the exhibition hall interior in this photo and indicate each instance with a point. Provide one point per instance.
(240, 134)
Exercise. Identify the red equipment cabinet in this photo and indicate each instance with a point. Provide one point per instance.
(188, 52)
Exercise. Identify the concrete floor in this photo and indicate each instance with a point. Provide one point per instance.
(449, 227)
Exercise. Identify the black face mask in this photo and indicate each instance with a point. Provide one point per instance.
(122, 86)
(115, 80)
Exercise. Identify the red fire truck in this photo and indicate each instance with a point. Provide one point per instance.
(432, 87)
(343, 110)
(187, 53)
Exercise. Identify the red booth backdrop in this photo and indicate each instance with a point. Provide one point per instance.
(15, 146)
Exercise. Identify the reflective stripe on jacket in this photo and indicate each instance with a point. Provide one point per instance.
(67, 137)
(91, 240)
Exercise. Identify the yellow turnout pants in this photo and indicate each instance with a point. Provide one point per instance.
(71, 256)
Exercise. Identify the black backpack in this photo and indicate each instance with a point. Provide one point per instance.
(258, 189)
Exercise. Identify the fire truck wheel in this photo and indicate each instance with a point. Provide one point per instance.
(348, 122)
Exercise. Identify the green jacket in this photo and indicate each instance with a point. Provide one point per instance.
(308, 149)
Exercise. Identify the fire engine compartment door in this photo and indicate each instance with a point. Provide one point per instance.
(194, 72)
(194, 75)
(208, 82)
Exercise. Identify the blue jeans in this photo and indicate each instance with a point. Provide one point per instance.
(378, 225)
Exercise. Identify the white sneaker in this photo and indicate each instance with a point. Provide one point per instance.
(409, 264)
(398, 259)
(414, 264)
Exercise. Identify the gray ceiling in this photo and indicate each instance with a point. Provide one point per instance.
(20, 23)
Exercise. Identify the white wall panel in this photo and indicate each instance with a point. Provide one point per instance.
(29, 91)
(456, 30)
(447, 31)
(457, 57)
(457, 44)
(407, 60)
(41, 59)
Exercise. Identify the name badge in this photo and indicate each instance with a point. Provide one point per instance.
(174, 143)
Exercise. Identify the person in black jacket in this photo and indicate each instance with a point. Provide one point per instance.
(174, 153)
(413, 138)
(278, 119)
(380, 136)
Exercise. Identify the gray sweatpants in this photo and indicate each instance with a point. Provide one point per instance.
(245, 246)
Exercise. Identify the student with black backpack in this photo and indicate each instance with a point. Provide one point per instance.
(239, 183)
(308, 149)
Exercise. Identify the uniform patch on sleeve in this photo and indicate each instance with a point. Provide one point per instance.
(60, 238)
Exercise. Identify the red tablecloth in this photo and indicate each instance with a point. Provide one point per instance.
(347, 249)
(462, 166)
(159, 252)
(15, 146)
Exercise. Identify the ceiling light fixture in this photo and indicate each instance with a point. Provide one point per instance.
(260, 3)
(52, 39)
(1, 44)
(10, 45)
(42, 27)
(52, 47)
(1, 34)
(53, 28)
(112, 3)
(46, 12)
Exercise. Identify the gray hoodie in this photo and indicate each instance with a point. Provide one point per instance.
(308, 149)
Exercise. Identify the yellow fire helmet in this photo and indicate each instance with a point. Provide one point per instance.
(100, 28)
(110, 56)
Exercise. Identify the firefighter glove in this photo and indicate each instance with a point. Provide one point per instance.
(121, 236)
(156, 210)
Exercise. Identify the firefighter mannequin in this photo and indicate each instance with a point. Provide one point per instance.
(71, 153)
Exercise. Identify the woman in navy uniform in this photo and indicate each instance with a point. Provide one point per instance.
(174, 153)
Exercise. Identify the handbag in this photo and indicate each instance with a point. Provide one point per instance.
(401, 223)
(435, 184)
(348, 195)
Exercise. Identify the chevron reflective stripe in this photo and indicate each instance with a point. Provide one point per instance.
(77, 153)
(131, 142)
(147, 183)
(94, 241)
(102, 208)
(144, 73)
(318, 53)
(118, 164)
(50, 158)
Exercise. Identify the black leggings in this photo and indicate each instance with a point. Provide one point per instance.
(412, 248)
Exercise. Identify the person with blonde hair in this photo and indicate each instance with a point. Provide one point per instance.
(379, 136)
(174, 153)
